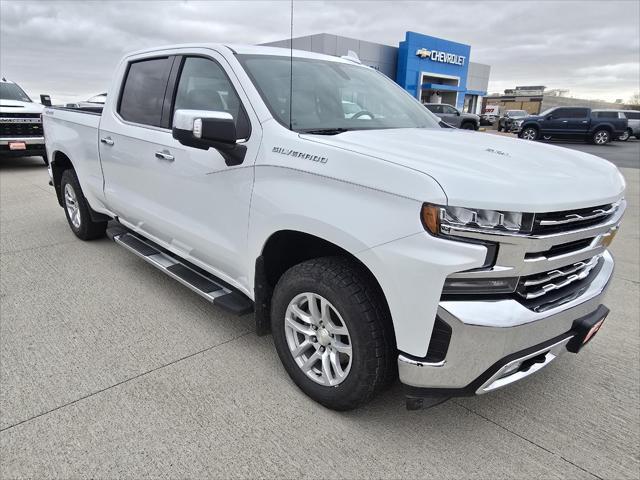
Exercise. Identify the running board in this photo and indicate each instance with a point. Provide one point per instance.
(201, 282)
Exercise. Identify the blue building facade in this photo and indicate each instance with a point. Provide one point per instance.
(434, 69)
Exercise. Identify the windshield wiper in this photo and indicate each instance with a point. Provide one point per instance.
(325, 131)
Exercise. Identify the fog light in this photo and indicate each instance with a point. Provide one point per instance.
(479, 285)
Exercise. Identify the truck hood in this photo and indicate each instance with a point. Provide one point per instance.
(12, 106)
(481, 170)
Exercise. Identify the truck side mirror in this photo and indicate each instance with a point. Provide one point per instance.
(206, 129)
(45, 100)
(549, 117)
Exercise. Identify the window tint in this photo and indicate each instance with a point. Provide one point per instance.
(571, 113)
(435, 108)
(204, 85)
(143, 92)
(632, 115)
(449, 110)
(607, 114)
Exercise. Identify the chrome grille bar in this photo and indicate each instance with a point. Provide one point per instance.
(562, 272)
(574, 217)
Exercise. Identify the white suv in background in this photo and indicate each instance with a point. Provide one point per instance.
(634, 124)
(21, 132)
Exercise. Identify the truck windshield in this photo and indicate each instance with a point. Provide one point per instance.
(11, 91)
(326, 95)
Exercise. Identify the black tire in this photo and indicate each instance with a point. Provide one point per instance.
(499, 127)
(86, 229)
(601, 136)
(358, 300)
(628, 133)
(468, 126)
(529, 133)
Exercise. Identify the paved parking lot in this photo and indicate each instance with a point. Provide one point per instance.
(110, 369)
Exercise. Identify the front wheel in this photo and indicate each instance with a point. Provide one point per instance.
(529, 133)
(468, 126)
(332, 332)
(78, 210)
(601, 137)
(625, 136)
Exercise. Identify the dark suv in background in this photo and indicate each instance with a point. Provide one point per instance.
(454, 117)
(573, 122)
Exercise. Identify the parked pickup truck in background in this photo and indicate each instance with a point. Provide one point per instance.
(573, 122)
(454, 117)
(371, 244)
(20, 123)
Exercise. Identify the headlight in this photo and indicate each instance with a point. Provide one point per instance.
(438, 220)
(517, 123)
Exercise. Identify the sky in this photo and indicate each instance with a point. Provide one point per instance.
(69, 49)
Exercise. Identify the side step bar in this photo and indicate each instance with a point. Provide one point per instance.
(201, 282)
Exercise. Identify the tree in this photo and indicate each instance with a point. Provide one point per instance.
(635, 99)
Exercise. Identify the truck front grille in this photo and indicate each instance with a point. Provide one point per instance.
(535, 286)
(555, 222)
(20, 129)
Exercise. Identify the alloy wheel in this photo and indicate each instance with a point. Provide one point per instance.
(71, 203)
(529, 134)
(601, 138)
(318, 339)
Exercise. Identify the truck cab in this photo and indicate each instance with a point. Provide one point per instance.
(372, 244)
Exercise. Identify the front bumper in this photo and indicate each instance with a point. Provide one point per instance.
(35, 146)
(487, 335)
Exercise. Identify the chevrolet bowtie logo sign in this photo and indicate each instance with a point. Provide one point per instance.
(442, 57)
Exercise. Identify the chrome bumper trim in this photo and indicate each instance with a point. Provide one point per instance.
(27, 140)
(501, 379)
(484, 332)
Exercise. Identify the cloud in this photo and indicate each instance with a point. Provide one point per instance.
(70, 48)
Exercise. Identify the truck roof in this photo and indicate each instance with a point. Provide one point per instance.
(245, 50)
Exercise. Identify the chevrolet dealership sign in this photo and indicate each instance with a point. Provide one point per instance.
(442, 57)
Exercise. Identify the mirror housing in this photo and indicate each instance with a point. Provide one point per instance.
(206, 129)
(45, 100)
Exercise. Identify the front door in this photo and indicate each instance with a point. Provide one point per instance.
(186, 198)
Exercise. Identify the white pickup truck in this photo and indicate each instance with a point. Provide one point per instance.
(372, 245)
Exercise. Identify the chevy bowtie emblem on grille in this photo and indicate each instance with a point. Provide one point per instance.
(423, 53)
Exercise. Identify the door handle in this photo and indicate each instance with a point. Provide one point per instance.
(165, 156)
(107, 140)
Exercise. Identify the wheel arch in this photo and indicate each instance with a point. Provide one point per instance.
(286, 248)
(59, 163)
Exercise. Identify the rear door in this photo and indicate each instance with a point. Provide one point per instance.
(578, 122)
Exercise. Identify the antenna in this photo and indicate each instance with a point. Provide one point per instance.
(291, 71)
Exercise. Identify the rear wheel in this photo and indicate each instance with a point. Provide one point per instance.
(529, 133)
(78, 210)
(468, 126)
(601, 137)
(626, 135)
(332, 332)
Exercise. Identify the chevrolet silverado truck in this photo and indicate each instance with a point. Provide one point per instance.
(372, 245)
(573, 122)
(20, 123)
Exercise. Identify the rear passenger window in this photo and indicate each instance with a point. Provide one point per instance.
(571, 113)
(632, 115)
(204, 85)
(143, 91)
(607, 114)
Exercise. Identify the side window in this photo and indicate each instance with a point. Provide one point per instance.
(449, 110)
(632, 115)
(561, 113)
(435, 108)
(204, 85)
(143, 91)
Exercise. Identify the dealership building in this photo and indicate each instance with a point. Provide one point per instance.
(433, 70)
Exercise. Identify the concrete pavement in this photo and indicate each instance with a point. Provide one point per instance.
(110, 369)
